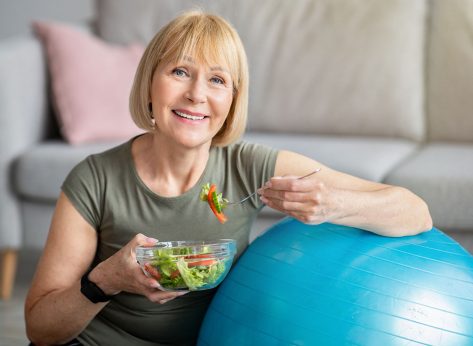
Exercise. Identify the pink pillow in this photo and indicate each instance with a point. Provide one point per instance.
(91, 82)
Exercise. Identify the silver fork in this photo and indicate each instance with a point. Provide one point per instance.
(254, 193)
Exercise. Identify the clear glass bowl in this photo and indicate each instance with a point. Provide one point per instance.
(187, 265)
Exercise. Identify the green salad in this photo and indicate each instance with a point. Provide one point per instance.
(178, 268)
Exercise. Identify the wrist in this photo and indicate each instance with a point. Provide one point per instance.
(92, 291)
(96, 275)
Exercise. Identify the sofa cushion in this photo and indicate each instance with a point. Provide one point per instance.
(365, 157)
(91, 82)
(318, 66)
(450, 71)
(39, 173)
(441, 174)
(22, 122)
(36, 222)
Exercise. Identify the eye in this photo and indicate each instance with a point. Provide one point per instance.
(179, 72)
(217, 80)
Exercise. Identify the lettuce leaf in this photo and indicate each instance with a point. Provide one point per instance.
(199, 276)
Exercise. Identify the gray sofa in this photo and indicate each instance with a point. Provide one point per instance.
(381, 89)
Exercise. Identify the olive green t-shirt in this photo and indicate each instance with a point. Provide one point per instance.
(107, 191)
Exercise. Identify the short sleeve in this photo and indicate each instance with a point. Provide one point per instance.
(82, 188)
(256, 163)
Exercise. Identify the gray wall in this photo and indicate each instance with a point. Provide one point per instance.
(16, 15)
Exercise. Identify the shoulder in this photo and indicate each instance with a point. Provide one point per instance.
(246, 150)
(98, 164)
(110, 158)
(113, 155)
(246, 157)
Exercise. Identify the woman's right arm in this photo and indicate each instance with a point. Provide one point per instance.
(55, 309)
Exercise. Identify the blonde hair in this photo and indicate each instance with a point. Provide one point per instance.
(208, 39)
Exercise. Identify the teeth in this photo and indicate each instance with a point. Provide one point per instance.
(188, 116)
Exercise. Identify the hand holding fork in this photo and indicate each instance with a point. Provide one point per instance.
(251, 195)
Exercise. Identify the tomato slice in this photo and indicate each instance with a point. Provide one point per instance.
(175, 274)
(220, 216)
(201, 255)
(152, 271)
(208, 262)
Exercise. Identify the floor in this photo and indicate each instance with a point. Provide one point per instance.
(12, 327)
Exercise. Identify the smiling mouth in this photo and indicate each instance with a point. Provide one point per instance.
(188, 116)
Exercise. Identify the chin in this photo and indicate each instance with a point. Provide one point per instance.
(196, 143)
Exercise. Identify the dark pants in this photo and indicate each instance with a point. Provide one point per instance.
(74, 342)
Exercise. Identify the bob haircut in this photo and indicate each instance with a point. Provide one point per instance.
(208, 39)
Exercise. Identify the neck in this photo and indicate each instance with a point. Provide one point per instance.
(166, 169)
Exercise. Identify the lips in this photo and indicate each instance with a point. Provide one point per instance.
(189, 115)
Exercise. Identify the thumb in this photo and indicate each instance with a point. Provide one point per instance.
(143, 240)
(285, 177)
(279, 181)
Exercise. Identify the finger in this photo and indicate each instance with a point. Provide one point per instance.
(149, 283)
(271, 205)
(286, 195)
(165, 296)
(309, 219)
(286, 177)
(284, 206)
(290, 184)
(139, 240)
(142, 240)
(305, 217)
(295, 215)
(148, 276)
(163, 301)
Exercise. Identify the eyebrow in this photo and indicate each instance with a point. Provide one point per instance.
(219, 68)
(212, 68)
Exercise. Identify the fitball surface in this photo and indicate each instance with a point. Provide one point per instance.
(334, 285)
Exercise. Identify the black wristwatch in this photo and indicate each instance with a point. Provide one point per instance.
(93, 292)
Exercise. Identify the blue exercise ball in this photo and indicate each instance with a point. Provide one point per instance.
(334, 285)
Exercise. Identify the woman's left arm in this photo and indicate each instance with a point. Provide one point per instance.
(331, 196)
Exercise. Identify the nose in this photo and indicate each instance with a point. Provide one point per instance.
(196, 93)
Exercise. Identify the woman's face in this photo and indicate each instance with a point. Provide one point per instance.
(190, 101)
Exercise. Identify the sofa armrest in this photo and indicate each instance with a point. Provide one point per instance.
(23, 121)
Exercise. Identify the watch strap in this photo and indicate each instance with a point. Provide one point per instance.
(91, 291)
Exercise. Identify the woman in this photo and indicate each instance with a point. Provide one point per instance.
(190, 95)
